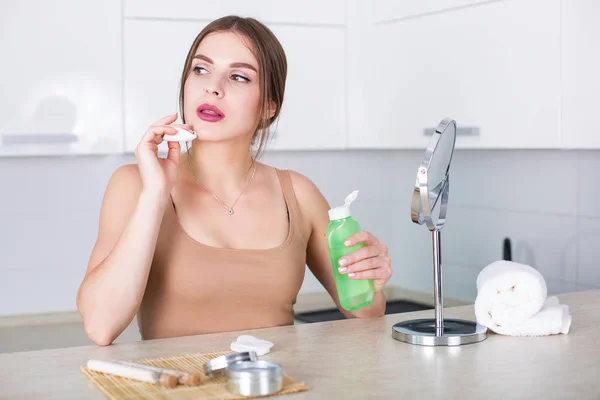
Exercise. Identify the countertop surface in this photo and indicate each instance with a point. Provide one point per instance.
(359, 359)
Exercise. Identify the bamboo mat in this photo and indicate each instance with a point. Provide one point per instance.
(118, 388)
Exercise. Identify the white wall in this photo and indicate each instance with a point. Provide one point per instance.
(545, 201)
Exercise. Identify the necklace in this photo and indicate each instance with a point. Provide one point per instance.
(228, 208)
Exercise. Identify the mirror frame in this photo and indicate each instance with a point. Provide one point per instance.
(421, 209)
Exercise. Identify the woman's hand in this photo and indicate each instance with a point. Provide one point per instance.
(369, 262)
(159, 174)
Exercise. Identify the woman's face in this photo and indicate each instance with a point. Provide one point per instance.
(222, 92)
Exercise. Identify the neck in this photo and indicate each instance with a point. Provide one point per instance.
(224, 168)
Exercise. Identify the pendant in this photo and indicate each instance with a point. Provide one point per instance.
(230, 211)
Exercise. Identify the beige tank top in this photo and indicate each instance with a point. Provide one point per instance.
(194, 288)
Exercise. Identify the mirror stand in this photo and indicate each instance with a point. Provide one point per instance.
(438, 331)
(429, 205)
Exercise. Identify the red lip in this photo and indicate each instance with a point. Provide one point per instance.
(210, 113)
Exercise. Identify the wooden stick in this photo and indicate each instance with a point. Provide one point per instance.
(183, 378)
(127, 371)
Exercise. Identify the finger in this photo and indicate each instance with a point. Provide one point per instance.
(166, 120)
(156, 133)
(174, 152)
(361, 237)
(187, 127)
(377, 273)
(361, 254)
(363, 265)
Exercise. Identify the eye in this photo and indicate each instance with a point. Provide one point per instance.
(200, 70)
(239, 78)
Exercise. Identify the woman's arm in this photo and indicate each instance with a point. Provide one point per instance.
(370, 262)
(130, 219)
(118, 269)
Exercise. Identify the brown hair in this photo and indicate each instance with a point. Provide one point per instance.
(272, 68)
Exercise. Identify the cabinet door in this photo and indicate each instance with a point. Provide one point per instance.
(313, 115)
(581, 74)
(493, 67)
(386, 10)
(61, 85)
(317, 12)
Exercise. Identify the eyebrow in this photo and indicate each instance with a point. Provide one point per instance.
(232, 65)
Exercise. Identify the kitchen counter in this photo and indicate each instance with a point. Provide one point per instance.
(65, 329)
(359, 359)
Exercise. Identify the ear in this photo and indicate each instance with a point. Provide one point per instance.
(272, 109)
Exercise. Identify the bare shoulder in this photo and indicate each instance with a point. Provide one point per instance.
(304, 187)
(126, 174)
(122, 191)
(311, 201)
(124, 183)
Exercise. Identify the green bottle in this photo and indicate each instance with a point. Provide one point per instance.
(353, 293)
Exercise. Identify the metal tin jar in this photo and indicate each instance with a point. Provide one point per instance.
(218, 365)
(254, 378)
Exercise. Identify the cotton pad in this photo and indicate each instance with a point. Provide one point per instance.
(248, 340)
(182, 135)
(251, 343)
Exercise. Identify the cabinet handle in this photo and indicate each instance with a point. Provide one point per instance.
(460, 131)
(12, 139)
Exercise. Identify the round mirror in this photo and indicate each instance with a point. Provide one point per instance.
(429, 205)
(430, 195)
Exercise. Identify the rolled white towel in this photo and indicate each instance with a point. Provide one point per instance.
(552, 319)
(508, 293)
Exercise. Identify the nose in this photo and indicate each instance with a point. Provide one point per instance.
(212, 91)
(213, 88)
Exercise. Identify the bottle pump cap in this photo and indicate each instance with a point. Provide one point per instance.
(343, 211)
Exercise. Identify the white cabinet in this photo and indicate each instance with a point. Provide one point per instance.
(313, 115)
(61, 84)
(314, 110)
(387, 10)
(581, 74)
(303, 12)
(362, 74)
(494, 67)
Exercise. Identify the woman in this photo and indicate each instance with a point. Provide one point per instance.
(211, 240)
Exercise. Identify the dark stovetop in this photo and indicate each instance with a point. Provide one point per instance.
(331, 314)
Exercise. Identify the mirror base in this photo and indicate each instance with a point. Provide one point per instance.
(422, 332)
